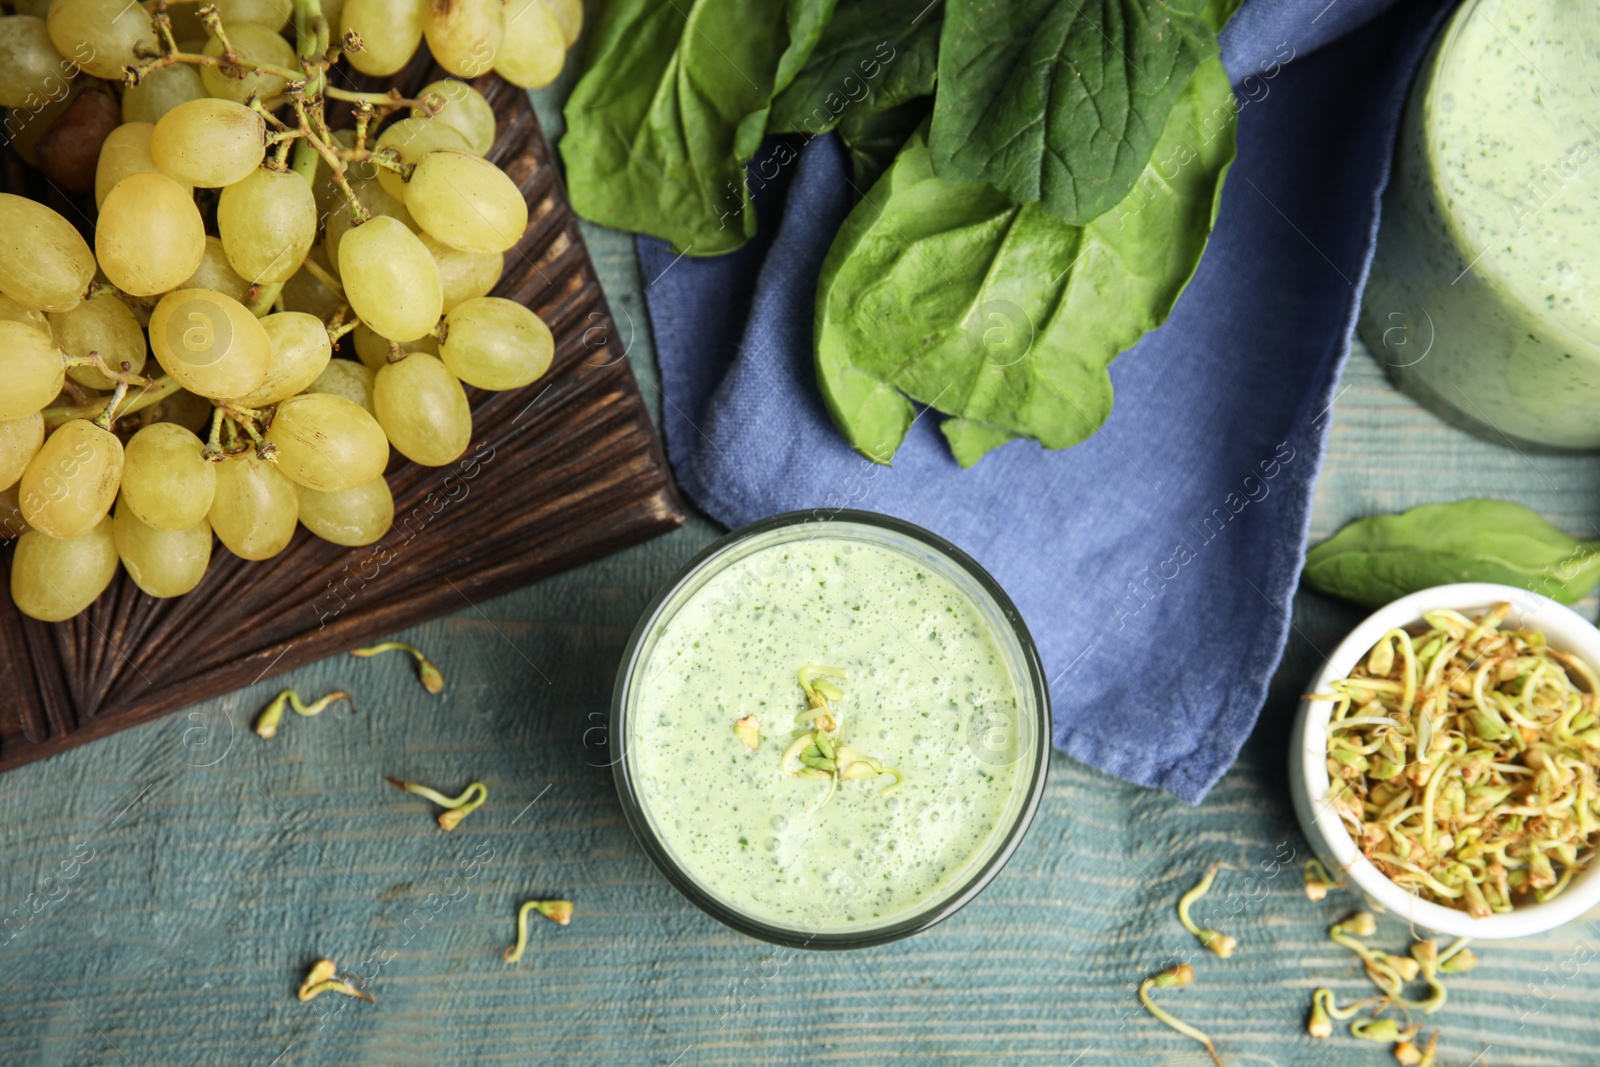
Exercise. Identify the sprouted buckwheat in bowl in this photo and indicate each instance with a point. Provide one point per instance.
(1446, 759)
(831, 732)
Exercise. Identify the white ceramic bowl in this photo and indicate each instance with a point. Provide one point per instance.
(1308, 766)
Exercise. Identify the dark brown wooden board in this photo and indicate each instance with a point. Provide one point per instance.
(561, 472)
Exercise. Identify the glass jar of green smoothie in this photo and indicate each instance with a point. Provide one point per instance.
(1484, 296)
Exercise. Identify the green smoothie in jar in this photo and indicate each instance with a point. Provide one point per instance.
(1484, 296)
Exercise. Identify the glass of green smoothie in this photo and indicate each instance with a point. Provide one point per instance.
(1484, 296)
(831, 729)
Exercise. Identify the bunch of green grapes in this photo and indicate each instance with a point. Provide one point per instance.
(242, 243)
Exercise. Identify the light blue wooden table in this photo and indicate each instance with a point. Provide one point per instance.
(163, 891)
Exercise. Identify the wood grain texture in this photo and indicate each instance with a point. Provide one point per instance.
(559, 473)
(208, 868)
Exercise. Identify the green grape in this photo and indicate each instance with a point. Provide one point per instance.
(463, 35)
(54, 579)
(210, 343)
(19, 443)
(255, 510)
(164, 563)
(273, 14)
(569, 16)
(70, 485)
(463, 274)
(100, 324)
(160, 91)
(258, 46)
(496, 344)
(465, 111)
(44, 263)
(307, 292)
(31, 368)
(535, 48)
(373, 351)
(390, 32)
(466, 202)
(413, 139)
(300, 352)
(390, 279)
(37, 8)
(12, 524)
(101, 36)
(350, 517)
(209, 144)
(349, 379)
(125, 151)
(11, 311)
(333, 11)
(150, 236)
(31, 70)
(267, 222)
(165, 482)
(217, 274)
(328, 443)
(375, 198)
(422, 407)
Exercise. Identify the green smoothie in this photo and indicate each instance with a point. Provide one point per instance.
(916, 685)
(1484, 298)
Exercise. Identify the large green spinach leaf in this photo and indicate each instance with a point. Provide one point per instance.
(1373, 561)
(1007, 317)
(673, 101)
(875, 55)
(1063, 101)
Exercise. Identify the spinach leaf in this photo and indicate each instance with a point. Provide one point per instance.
(1007, 317)
(1063, 101)
(673, 101)
(1373, 561)
(874, 138)
(875, 55)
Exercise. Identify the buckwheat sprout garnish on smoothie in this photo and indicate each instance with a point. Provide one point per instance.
(861, 797)
(817, 753)
(1463, 759)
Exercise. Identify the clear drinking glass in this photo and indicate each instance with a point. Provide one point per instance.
(1484, 296)
(1021, 743)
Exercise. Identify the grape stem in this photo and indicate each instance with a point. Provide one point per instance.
(212, 452)
(107, 418)
(75, 391)
(154, 391)
(122, 373)
(262, 297)
(313, 268)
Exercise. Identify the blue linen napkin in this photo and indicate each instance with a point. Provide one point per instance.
(1155, 563)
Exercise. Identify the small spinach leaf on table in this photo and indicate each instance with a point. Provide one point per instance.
(1376, 560)
(1007, 317)
(1063, 101)
(874, 56)
(673, 101)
